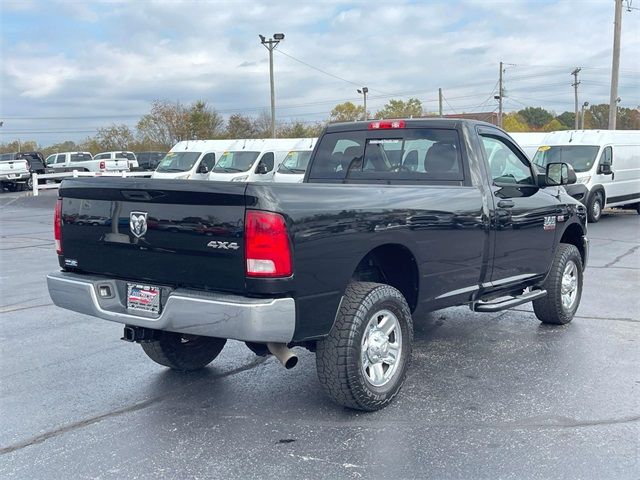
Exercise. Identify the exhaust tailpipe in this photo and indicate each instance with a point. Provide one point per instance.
(287, 358)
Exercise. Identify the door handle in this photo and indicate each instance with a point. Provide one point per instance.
(506, 204)
(613, 175)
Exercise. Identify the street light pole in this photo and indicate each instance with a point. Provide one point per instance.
(584, 106)
(270, 45)
(615, 65)
(364, 92)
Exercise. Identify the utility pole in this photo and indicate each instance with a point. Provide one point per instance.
(500, 89)
(364, 92)
(575, 92)
(440, 102)
(584, 105)
(270, 45)
(615, 66)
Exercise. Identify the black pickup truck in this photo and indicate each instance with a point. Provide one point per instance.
(394, 218)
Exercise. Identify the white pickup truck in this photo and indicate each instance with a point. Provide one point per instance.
(84, 161)
(13, 172)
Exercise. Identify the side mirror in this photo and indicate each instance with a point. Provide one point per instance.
(605, 169)
(261, 169)
(559, 174)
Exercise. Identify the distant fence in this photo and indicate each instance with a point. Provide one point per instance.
(75, 174)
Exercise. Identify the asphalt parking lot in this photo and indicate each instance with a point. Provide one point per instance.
(487, 396)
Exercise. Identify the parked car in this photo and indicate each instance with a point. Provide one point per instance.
(14, 172)
(117, 155)
(294, 165)
(84, 161)
(252, 160)
(395, 218)
(607, 164)
(192, 159)
(149, 160)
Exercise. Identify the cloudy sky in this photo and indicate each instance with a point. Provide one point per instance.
(69, 66)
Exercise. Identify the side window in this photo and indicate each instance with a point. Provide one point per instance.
(99, 157)
(267, 160)
(61, 158)
(208, 161)
(50, 159)
(505, 164)
(607, 156)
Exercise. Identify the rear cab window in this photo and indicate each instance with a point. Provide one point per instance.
(411, 155)
(80, 157)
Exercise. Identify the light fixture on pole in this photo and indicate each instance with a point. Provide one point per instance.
(364, 91)
(584, 106)
(270, 45)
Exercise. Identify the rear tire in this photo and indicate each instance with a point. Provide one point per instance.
(183, 352)
(563, 286)
(363, 362)
(594, 207)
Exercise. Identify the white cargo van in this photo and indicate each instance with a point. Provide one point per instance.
(294, 165)
(607, 162)
(191, 159)
(529, 141)
(252, 160)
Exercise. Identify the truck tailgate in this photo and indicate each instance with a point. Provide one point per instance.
(13, 166)
(164, 232)
(116, 165)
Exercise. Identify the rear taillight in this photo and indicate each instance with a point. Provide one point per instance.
(57, 226)
(385, 124)
(267, 249)
(102, 164)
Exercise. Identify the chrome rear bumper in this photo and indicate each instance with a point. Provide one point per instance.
(184, 311)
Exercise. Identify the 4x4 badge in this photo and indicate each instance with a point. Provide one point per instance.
(223, 245)
(138, 223)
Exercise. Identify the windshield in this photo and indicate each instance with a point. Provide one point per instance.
(178, 161)
(81, 157)
(235, 162)
(580, 157)
(295, 162)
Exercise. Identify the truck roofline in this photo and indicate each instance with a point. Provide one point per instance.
(409, 123)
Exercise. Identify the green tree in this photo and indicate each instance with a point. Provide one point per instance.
(67, 146)
(203, 122)
(554, 125)
(346, 112)
(512, 122)
(165, 125)
(536, 117)
(401, 109)
(568, 119)
(300, 130)
(19, 146)
(114, 137)
(241, 126)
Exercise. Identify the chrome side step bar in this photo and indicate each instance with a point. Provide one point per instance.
(527, 297)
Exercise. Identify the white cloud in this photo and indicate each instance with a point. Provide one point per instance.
(114, 58)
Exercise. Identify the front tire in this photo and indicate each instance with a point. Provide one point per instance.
(183, 352)
(563, 286)
(363, 362)
(595, 206)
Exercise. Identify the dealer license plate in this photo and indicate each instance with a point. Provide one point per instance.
(143, 298)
